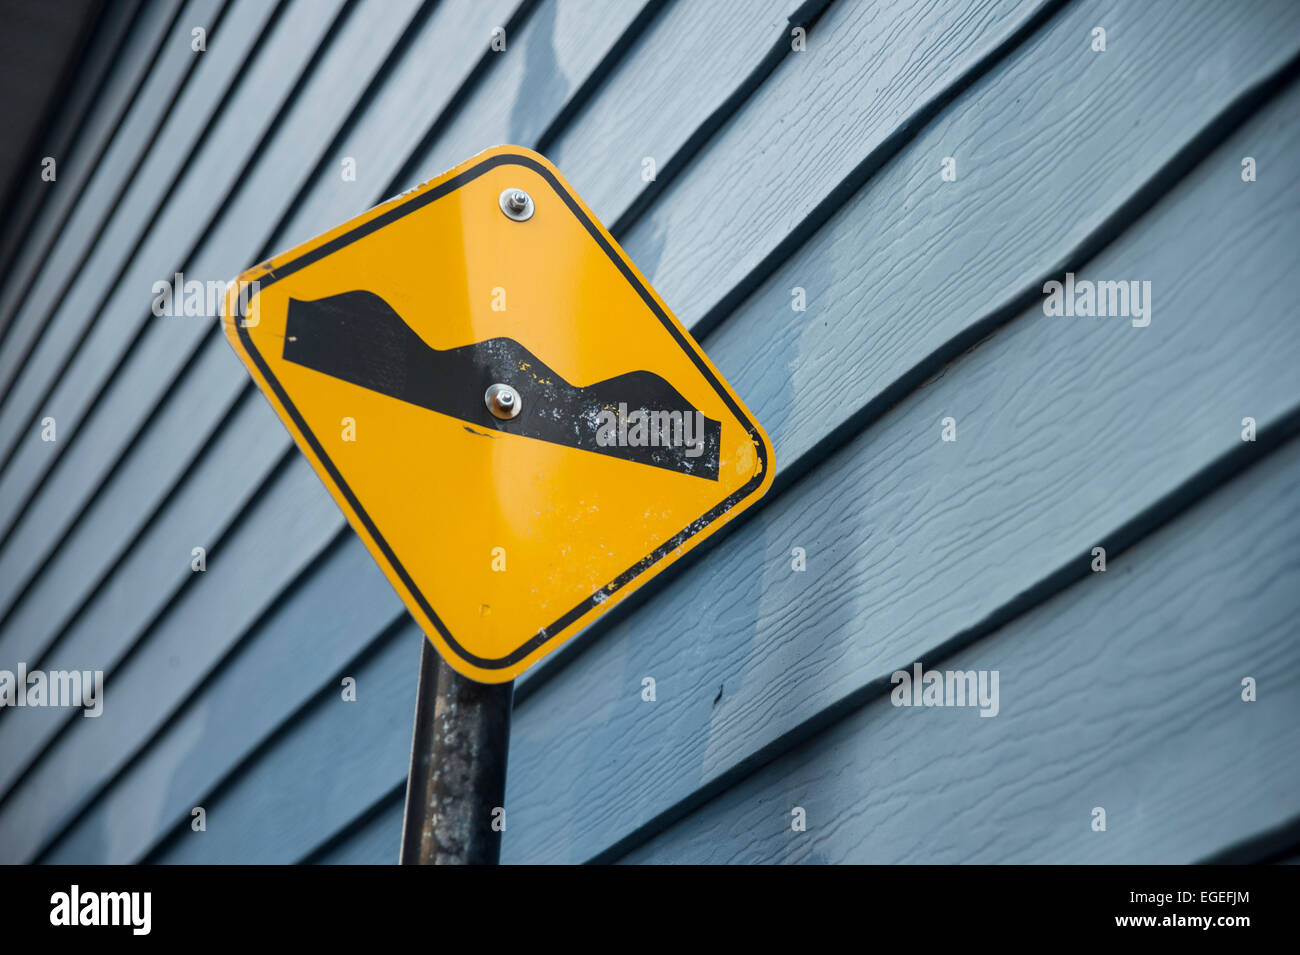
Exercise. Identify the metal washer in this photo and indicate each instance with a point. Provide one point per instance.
(508, 201)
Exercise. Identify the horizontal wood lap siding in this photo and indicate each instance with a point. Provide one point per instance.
(162, 213)
(313, 638)
(148, 75)
(415, 78)
(285, 499)
(1123, 693)
(132, 494)
(872, 72)
(99, 94)
(131, 507)
(369, 782)
(96, 451)
(298, 800)
(372, 839)
(778, 645)
(224, 687)
(942, 538)
(291, 481)
(193, 381)
(277, 561)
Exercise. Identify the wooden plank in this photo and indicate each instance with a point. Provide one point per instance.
(687, 64)
(420, 88)
(853, 777)
(310, 123)
(931, 291)
(1122, 692)
(275, 434)
(308, 642)
(908, 274)
(376, 841)
(912, 541)
(108, 531)
(107, 303)
(149, 375)
(558, 48)
(870, 74)
(304, 785)
(585, 748)
(100, 631)
(99, 94)
(708, 94)
(177, 652)
(51, 517)
(40, 274)
(1186, 133)
(663, 44)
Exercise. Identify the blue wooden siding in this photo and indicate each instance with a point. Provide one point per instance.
(775, 169)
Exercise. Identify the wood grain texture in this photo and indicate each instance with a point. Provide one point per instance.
(147, 579)
(95, 306)
(124, 406)
(41, 272)
(688, 63)
(107, 532)
(877, 329)
(149, 374)
(225, 376)
(164, 342)
(911, 540)
(559, 47)
(870, 70)
(919, 27)
(283, 802)
(1123, 692)
(59, 512)
(375, 840)
(100, 94)
(203, 620)
(1050, 149)
(245, 703)
(133, 530)
(218, 382)
(1129, 683)
(584, 747)
(907, 547)
(418, 91)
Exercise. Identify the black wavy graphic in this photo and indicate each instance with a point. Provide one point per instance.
(357, 337)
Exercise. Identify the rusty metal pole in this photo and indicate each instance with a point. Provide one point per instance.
(455, 793)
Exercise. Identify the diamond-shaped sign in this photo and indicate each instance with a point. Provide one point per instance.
(511, 419)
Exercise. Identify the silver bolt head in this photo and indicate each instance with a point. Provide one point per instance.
(516, 204)
(503, 401)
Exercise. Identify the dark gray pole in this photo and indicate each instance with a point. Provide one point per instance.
(458, 767)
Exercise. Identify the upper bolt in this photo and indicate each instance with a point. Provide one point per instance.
(516, 204)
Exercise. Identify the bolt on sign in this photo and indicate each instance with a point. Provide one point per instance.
(512, 420)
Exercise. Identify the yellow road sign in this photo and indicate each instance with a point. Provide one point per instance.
(510, 417)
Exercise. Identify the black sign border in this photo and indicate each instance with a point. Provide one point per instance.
(557, 628)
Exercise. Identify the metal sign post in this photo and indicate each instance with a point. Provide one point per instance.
(517, 428)
(455, 793)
